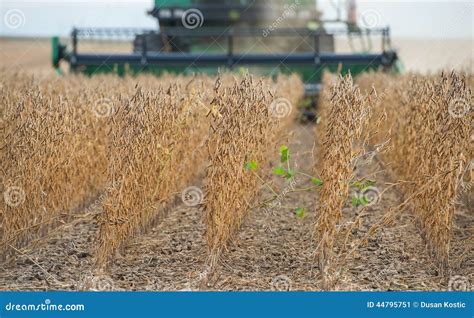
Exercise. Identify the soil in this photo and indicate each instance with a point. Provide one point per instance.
(274, 249)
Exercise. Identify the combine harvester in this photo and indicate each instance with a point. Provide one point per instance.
(266, 37)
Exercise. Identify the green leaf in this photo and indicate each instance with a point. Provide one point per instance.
(284, 156)
(361, 185)
(289, 173)
(317, 181)
(300, 212)
(358, 185)
(251, 165)
(355, 201)
(279, 171)
(364, 200)
(369, 183)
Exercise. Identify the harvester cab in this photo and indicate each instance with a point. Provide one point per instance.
(203, 36)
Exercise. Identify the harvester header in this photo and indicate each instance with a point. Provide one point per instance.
(199, 36)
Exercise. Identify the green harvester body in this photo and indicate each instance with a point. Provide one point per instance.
(283, 38)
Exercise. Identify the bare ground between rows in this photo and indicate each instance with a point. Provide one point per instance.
(273, 250)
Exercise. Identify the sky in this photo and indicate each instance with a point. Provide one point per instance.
(408, 19)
